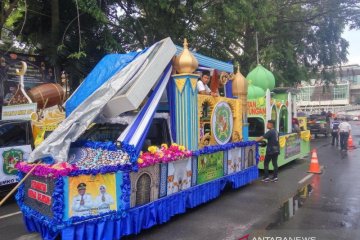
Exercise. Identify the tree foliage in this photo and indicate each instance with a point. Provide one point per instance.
(296, 37)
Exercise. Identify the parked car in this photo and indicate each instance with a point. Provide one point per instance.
(319, 124)
(355, 118)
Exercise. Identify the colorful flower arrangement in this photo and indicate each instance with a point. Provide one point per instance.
(163, 154)
(47, 170)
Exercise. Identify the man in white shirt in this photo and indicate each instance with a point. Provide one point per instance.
(344, 130)
(202, 86)
(82, 203)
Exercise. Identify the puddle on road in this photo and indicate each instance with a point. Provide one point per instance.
(291, 206)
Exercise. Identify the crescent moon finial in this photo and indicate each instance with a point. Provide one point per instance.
(23, 69)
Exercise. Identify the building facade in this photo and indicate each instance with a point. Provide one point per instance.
(315, 95)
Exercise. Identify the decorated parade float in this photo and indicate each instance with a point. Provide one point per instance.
(30, 113)
(265, 103)
(138, 146)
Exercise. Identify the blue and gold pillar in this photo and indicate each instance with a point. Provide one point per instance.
(186, 110)
(185, 99)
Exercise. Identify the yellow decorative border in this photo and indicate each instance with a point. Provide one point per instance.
(235, 110)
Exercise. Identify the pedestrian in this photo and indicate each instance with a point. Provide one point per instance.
(272, 151)
(344, 131)
(335, 132)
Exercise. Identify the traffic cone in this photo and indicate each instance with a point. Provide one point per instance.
(350, 142)
(314, 164)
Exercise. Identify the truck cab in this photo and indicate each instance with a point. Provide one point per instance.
(158, 133)
(319, 124)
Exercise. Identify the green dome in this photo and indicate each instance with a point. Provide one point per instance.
(262, 77)
(255, 92)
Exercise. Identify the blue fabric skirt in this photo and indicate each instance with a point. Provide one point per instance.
(146, 216)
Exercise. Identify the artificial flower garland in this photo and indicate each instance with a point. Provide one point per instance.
(47, 170)
(163, 154)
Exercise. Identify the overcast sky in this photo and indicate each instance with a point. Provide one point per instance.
(353, 37)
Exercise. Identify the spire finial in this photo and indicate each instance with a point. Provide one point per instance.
(186, 45)
(185, 62)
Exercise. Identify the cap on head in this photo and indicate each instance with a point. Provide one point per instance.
(81, 186)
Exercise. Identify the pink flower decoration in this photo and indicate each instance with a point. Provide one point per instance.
(164, 155)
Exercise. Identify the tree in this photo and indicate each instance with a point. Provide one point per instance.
(296, 38)
(66, 33)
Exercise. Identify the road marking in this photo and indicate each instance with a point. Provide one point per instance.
(10, 215)
(305, 178)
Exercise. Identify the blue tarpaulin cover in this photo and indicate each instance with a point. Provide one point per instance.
(102, 72)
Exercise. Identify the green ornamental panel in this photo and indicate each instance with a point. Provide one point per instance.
(210, 166)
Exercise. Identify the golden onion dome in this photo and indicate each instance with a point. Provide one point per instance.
(239, 84)
(185, 62)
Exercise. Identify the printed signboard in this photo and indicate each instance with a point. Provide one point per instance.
(210, 166)
(292, 146)
(250, 156)
(92, 194)
(179, 176)
(38, 71)
(38, 194)
(256, 107)
(234, 160)
(9, 156)
(17, 112)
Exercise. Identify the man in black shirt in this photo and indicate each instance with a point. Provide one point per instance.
(272, 151)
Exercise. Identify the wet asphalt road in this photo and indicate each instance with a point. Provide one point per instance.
(333, 209)
(330, 212)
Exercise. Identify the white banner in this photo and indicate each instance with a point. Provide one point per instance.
(9, 156)
(16, 112)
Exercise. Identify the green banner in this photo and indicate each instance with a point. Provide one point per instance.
(292, 146)
(210, 166)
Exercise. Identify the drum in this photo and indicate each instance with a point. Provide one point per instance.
(47, 95)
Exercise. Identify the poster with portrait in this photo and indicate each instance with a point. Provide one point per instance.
(179, 176)
(234, 160)
(210, 166)
(92, 194)
(38, 71)
(250, 156)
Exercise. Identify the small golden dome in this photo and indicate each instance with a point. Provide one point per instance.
(239, 84)
(185, 62)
